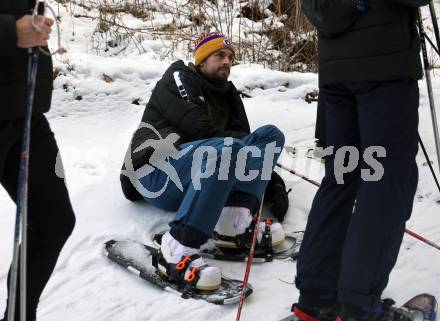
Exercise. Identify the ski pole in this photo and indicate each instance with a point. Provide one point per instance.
(421, 238)
(434, 23)
(423, 38)
(249, 260)
(429, 163)
(21, 218)
(299, 175)
(408, 231)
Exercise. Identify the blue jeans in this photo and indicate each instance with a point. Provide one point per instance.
(200, 208)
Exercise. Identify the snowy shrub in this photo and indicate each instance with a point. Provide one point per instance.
(274, 33)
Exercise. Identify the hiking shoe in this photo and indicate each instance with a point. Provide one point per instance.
(185, 265)
(382, 312)
(236, 225)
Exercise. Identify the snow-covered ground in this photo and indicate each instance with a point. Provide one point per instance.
(93, 121)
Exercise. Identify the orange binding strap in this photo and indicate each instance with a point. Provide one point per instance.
(182, 264)
(192, 276)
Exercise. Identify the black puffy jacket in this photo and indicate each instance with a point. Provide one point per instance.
(382, 44)
(192, 120)
(14, 65)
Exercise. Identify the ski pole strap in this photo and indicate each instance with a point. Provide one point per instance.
(180, 87)
(39, 10)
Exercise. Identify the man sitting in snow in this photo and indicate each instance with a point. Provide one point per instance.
(194, 112)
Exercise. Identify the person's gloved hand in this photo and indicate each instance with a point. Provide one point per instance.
(276, 197)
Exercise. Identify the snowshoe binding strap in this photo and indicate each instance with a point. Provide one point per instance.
(157, 238)
(266, 241)
(390, 311)
(301, 315)
(176, 272)
(316, 313)
(244, 240)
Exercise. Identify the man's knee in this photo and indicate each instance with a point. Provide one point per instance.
(237, 144)
(229, 145)
(271, 133)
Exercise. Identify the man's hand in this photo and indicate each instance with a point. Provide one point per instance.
(28, 37)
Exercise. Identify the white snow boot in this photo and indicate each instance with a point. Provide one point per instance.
(235, 227)
(184, 264)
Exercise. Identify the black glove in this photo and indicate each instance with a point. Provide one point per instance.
(276, 197)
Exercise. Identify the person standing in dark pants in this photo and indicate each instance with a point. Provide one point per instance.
(51, 217)
(368, 77)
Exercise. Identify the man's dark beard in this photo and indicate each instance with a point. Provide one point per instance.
(217, 82)
(214, 79)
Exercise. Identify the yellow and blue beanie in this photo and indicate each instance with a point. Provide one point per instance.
(207, 44)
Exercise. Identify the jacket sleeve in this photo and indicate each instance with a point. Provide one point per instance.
(238, 122)
(237, 129)
(8, 35)
(188, 117)
(238, 125)
(412, 3)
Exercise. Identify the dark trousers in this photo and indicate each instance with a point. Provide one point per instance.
(51, 217)
(351, 247)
